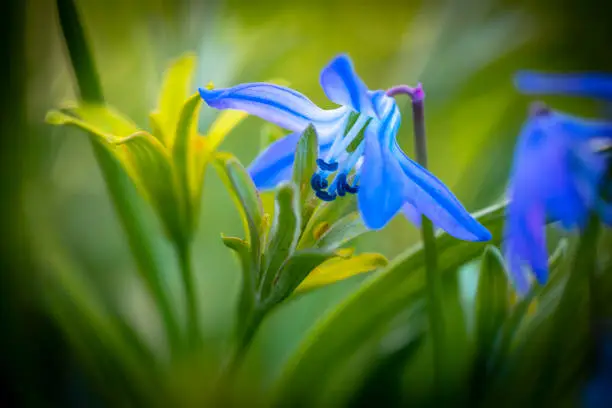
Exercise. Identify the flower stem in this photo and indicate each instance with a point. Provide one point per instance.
(434, 285)
(120, 188)
(193, 320)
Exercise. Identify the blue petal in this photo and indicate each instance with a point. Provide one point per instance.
(342, 86)
(580, 128)
(411, 214)
(588, 84)
(277, 104)
(525, 243)
(514, 263)
(381, 182)
(555, 164)
(275, 164)
(598, 392)
(605, 212)
(432, 198)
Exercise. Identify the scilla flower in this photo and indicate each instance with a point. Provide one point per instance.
(358, 151)
(557, 173)
(587, 84)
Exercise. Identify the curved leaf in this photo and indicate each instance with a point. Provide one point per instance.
(182, 155)
(282, 237)
(337, 269)
(154, 175)
(246, 197)
(174, 92)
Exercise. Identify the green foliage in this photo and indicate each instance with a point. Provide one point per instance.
(278, 259)
(373, 344)
(491, 298)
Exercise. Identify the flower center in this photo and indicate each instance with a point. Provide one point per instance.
(342, 158)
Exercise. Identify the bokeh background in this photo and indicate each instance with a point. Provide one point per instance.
(58, 214)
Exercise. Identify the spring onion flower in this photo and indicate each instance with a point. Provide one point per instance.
(557, 174)
(358, 150)
(586, 84)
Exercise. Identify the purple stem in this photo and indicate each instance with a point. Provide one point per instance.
(417, 94)
(433, 283)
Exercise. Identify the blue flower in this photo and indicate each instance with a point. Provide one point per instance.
(598, 390)
(587, 84)
(358, 151)
(557, 174)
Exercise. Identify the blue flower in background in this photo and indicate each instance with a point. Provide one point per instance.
(587, 84)
(557, 173)
(358, 150)
(598, 391)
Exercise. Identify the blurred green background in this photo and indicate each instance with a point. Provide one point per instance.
(58, 212)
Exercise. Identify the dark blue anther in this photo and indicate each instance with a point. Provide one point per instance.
(318, 182)
(323, 165)
(314, 182)
(351, 189)
(325, 196)
(340, 184)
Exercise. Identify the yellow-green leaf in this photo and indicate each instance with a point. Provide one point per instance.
(186, 131)
(104, 118)
(337, 269)
(154, 176)
(99, 135)
(175, 90)
(225, 122)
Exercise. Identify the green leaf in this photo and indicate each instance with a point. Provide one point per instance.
(323, 218)
(246, 301)
(570, 339)
(294, 271)
(142, 156)
(337, 337)
(244, 194)
(342, 231)
(102, 117)
(186, 130)
(174, 91)
(98, 129)
(491, 298)
(519, 333)
(154, 175)
(305, 163)
(282, 237)
(337, 269)
(383, 382)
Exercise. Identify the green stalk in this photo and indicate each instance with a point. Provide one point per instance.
(193, 325)
(435, 295)
(120, 188)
